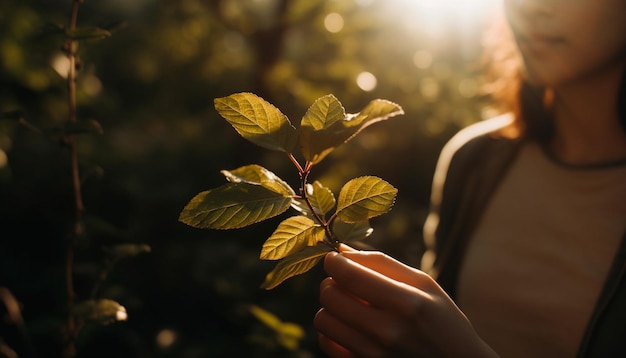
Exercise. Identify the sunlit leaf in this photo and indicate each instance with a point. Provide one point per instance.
(258, 121)
(301, 206)
(316, 141)
(321, 198)
(326, 126)
(364, 198)
(376, 110)
(256, 174)
(295, 264)
(268, 318)
(83, 33)
(232, 206)
(291, 235)
(100, 311)
(288, 334)
(349, 232)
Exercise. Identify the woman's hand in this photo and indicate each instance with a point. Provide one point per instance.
(375, 306)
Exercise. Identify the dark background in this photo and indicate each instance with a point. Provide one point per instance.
(151, 86)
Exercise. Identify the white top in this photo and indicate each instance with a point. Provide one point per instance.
(537, 261)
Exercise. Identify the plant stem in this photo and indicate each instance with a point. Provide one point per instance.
(329, 237)
(71, 47)
(295, 162)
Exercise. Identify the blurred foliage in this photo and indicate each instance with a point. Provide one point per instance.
(150, 86)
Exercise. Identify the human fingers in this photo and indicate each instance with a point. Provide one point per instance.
(374, 287)
(392, 268)
(375, 330)
(332, 348)
(345, 338)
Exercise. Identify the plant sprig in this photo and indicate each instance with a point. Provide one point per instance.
(253, 193)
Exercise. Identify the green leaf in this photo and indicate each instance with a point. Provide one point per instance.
(256, 174)
(326, 126)
(364, 198)
(258, 121)
(321, 198)
(376, 110)
(232, 206)
(292, 235)
(288, 334)
(84, 33)
(100, 311)
(295, 264)
(316, 141)
(349, 232)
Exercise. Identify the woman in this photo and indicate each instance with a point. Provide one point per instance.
(528, 216)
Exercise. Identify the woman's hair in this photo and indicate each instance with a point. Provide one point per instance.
(505, 83)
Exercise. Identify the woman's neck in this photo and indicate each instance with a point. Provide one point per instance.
(588, 129)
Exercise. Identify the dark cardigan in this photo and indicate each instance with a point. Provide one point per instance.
(470, 167)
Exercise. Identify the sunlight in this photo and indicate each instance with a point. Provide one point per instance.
(166, 338)
(439, 7)
(435, 17)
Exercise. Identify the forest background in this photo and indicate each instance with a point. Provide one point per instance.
(149, 89)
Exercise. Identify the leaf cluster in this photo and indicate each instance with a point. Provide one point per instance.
(253, 193)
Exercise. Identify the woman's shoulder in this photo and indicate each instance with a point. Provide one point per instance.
(475, 141)
(486, 130)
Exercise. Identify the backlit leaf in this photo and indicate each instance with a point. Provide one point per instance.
(301, 206)
(364, 198)
(349, 232)
(295, 264)
(258, 121)
(321, 198)
(232, 206)
(291, 235)
(269, 319)
(316, 142)
(376, 110)
(288, 334)
(326, 125)
(256, 174)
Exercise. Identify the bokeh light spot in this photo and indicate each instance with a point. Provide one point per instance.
(333, 22)
(422, 59)
(366, 81)
(166, 338)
